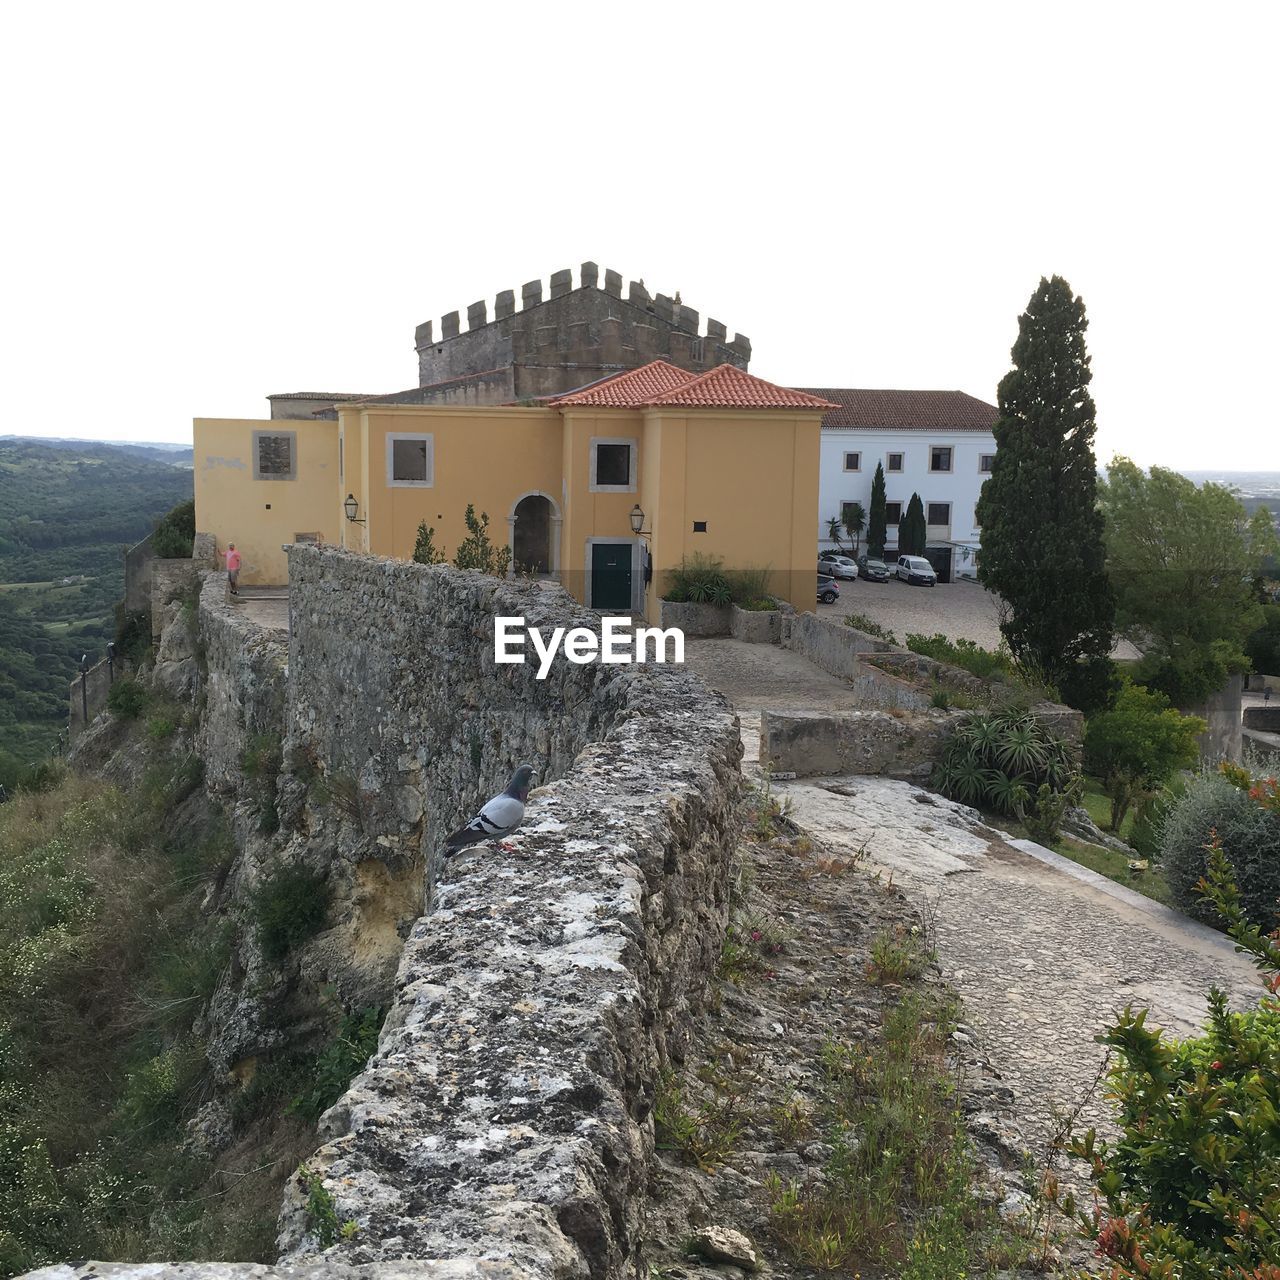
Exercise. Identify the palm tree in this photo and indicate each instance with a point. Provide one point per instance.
(854, 519)
(833, 530)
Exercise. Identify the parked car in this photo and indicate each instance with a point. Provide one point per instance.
(828, 592)
(873, 570)
(916, 569)
(838, 567)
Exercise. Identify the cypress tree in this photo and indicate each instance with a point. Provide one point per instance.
(1042, 547)
(913, 531)
(877, 529)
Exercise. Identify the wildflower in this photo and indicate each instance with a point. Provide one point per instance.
(1215, 1066)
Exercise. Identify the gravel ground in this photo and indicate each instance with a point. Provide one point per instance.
(959, 610)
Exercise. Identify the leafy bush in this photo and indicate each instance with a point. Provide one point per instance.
(1147, 829)
(175, 533)
(338, 1063)
(289, 907)
(1000, 760)
(1250, 837)
(698, 579)
(1137, 745)
(1262, 648)
(860, 622)
(424, 548)
(749, 588)
(475, 551)
(1189, 1189)
(127, 698)
(986, 663)
(133, 633)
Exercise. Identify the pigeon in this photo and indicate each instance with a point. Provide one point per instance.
(499, 817)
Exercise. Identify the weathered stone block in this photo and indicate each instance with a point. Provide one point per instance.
(613, 283)
(561, 283)
(530, 294)
(755, 626)
(449, 325)
(697, 619)
(505, 304)
(854, 742)
(477, 315)
(590, 275)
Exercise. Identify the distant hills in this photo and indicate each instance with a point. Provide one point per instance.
(68, 509)
(157, 451)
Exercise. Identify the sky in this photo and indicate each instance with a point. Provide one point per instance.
(208, 204)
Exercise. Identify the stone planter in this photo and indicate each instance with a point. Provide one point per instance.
(755, 626)
(697, 619)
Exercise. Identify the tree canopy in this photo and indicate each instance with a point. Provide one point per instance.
(1042, 548)
(877, 528)
(1182, 560)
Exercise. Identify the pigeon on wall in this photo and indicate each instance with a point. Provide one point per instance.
(499, 817)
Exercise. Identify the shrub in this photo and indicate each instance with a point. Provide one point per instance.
(338, 1063)
(1250, 839)
(289, 907)
(133, 633)
(261, 764)
(986, 663)
(424, 549)
(1000, 759)
(175, 533)
(1147, 829)
(475, 551)
(1137, 745)
(1189, 1188)
(127, 699)
(860, 622)
(698, 579)
(749, 588)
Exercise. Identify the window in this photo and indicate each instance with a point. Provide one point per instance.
(845, 516)
(410, 461)
(940, 458)
(275, 455)
(893, 512)
(853, 462)
(308, 539)
(613, 466)
(939, 513)
(986, 462)
(893, 462)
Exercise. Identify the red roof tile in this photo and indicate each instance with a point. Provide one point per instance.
(726, 386)
(629, 389)
(907, 410)
(662, 384)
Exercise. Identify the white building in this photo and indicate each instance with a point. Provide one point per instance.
(934, 443)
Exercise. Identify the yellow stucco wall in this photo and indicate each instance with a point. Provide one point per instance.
(260, 516)
(751, 475)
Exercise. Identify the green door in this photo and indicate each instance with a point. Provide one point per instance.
(611, 577)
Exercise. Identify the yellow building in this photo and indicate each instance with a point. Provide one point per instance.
(605, 488)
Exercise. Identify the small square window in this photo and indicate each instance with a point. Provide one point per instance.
(893, 462)
(699, 526)
(986, 463)
(940, 458)
(893, 512)
(273, 455)
(939, 513)
(853, 462)
(613, 466)
(410, 460)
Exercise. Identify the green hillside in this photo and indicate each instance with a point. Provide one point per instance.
(66, 514)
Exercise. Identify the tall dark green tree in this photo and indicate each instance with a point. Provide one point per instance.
(913, 532)
(877, 529)
(1042, 545)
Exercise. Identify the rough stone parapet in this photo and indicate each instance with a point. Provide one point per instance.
(853, 742)
(452, 1269)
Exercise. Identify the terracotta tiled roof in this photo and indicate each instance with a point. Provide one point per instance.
(907, 410)
(630, 389)
(727, 386)
(662, 384)
(334, 396)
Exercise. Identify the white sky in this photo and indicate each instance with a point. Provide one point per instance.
(205, 204)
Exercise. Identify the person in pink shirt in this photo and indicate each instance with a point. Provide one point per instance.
(232, 557)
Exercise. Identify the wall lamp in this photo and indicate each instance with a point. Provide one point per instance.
(351, 506)
(637, 522)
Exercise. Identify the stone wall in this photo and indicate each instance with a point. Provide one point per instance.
(137, 576)
(169, 579)
(88, 693)
(1266, 718)
(570, 337)
(755, 626)
(861, 742)
(696, 619)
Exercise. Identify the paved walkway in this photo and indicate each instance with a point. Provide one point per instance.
(267, 606)
(1042, 958)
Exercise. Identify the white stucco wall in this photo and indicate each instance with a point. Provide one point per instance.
(960, 486)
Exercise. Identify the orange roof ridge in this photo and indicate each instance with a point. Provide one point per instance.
(629, 388)
(727, 386)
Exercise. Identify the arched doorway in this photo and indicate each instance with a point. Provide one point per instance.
(531, 534)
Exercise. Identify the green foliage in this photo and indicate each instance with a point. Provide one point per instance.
(338, 1063)
(834, 529)
(1262, 647)
(1042, 548)
(424, 549)
(475, 551)
(749, 588)
(289, 907)
(699, 579)
(913, 532)
(175, 532)
(994, 665)
(860, 622)
(1001, 759)
(1249, 835)
(877, 528)
(1188, 1190)
(1137, 745)
(854, 518)
(132, 633)
(322, 1211)
(127, 698)
(1182, 561)
(261, 763)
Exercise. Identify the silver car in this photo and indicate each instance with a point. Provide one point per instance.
(839, 567)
